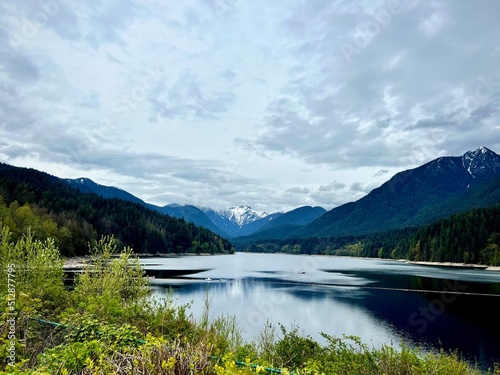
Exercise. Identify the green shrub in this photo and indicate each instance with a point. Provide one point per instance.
(293, 350)
(121, 279)
(31, 286)
(110, 324)
(35, 267)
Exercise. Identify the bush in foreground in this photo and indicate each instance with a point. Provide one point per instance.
(110, 324)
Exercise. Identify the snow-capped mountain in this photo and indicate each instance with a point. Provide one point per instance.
(233, 218)
(241, 215)
(481, 161)
(433, 191)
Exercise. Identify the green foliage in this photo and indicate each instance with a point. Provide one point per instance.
(222, 331)
(111, 325)
(162, 318)
(350, 356)
(108, 278)
(88, 342)
(469, 237)
(71, 358)
(115, 336)
(114, 289)
(266, 343)
(73, 218)
(94, 346)
(491, 253)
(410, 199)
(36, 268)
(293, 350)
(177, 357)
(31, 285)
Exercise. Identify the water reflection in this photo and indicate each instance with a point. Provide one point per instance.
(314, 309)
(381, 302)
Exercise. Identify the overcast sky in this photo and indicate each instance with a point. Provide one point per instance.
(275, 104)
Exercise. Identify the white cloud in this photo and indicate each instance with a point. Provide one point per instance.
(434, 24)
(224, 102)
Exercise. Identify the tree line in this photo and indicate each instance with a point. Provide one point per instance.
(469, 237)
(109, 324)
(36, 200)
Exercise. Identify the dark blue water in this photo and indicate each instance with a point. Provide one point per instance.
(382, 302)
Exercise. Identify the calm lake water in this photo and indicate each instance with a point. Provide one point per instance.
(382, 302)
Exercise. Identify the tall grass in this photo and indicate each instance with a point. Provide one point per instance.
(109, 324)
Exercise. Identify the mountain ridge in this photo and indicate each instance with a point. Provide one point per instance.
(76, 218)
(228, 222)
(410, 197)
(241, 215)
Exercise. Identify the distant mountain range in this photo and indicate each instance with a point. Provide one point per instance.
(414, 197)
(50, 206)
(86, 185)
(433, 191)
(233, 219)
(230, 222)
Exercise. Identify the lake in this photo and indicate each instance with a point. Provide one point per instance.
(381, 301)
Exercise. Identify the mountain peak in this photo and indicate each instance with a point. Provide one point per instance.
(481, 161)
(237, 208)
(480, 151)
(86, 185)
(241, 215)
(435, 190)
(80, 180)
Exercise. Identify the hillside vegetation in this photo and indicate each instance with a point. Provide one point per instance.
(108, 324)
(469, 237)
(442, 187)
(51, 208)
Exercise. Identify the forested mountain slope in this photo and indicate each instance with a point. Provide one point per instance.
(87, 216)
(415, 197)
(468, 237)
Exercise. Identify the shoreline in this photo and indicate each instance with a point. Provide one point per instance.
(81, 261)
(453, 265)
(471, 266)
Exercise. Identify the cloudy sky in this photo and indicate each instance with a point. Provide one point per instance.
(275, 104)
